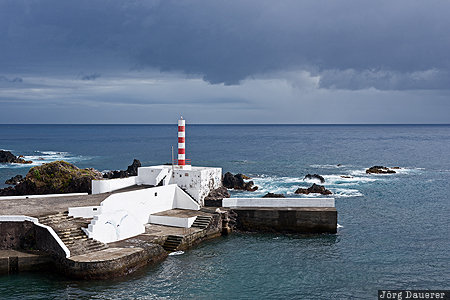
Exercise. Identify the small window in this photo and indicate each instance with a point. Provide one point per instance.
(181, 175)
(156, 194)
(94, 209)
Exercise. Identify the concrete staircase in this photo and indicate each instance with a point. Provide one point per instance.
(172, 243)
(202, 222)
(69, 230)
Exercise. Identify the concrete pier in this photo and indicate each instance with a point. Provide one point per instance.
(47, 227)
(287, 220)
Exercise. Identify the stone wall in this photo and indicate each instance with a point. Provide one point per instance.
(27, 236)
(17, 235)
(287, 220)
(113, 268)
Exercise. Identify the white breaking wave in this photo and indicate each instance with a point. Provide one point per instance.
(345, 193)
(329, 166)
(42, 157)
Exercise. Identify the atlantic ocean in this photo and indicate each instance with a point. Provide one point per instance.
(394, 229)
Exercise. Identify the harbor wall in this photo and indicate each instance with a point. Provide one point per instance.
(28, 235)
(287, 220)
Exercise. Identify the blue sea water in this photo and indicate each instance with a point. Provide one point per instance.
(395, 230)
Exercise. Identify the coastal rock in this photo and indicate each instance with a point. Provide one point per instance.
(314, 176)
(379, 170)
(218, 194)
(8, 157)
(237, 182)
(133, 168)
(315, 188)
(272, 195)
(14, 180)
(54, 178)
(130, 171)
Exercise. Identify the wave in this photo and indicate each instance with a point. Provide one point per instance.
(345, 193)
(329, 166)
(41, 157)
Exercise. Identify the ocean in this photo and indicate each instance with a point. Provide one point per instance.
(394, 229)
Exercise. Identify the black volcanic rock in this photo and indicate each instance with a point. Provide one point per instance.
(133, 168)
(131, 171)
(237, 182)
(314, 176)
(8, 157)
(379, 170)
(272, 195)
(14, 180)
(315, 188)
(218, 194)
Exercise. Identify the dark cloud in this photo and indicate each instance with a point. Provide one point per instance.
(228, 41)
(11, 80)
(90, 76)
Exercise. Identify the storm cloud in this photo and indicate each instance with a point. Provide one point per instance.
(228, 41)
(313, 46)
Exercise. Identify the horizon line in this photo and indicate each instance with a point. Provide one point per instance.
(240, 124)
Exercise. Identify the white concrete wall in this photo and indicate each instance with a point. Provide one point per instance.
(198, 182)
(109, 185)
(277, 202)
(172, 221)
(123, 215)
(148, 175)
(84, 211)
(11, 218)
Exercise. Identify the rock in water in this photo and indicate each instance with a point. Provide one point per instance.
(57, 177)
(131, 171)
(272, 195)
(14, 180)
(133, 168)
(315, 188)
(314, 176)
(379, 170)
(237, 182)
(8, 157)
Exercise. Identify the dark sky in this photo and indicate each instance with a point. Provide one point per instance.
(318, 61)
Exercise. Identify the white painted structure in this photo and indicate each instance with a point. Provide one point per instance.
(11, 218)
(109, 185)
(172, 221)
(196, 181)
(277, 202)
(124, 215)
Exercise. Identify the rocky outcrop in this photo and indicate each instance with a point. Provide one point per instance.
(54, 178)
(14, 180)
(218, 194)
(314, 176)
(215, 197)
(272, 195)
(379, 170)
(130, 171)
(237, 182)
(8, 157)
(315, 188)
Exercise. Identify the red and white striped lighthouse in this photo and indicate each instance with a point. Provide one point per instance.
(181, 142)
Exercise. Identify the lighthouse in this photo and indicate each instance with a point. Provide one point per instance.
(181, 143)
